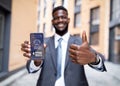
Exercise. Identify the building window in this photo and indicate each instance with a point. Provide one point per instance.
(44, 29)
(38, 24)
(78, 2)
(1, 39)
(45, 8)
(77, 20)
(77, 14)
(114, 45)
(117, 44)
(39, 12)
(62, 2)
(65, 3)
(115, 9)
(94, 26)
(94, 38)
(53, 3)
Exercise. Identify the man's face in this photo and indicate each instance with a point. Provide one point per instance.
(60, 22)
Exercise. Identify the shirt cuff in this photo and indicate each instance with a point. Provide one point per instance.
(99, 64)
(33, 67)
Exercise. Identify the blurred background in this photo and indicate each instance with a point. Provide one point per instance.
(99, 18)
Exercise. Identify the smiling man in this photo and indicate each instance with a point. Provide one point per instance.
(65, 55)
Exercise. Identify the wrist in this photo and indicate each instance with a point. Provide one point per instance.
(37, 62)
(96, 60)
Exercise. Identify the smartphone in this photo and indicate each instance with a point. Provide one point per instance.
(37, 48)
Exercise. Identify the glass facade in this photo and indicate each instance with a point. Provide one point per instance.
(115, 11)
(77, 14)
(115, 44)
(114, 39)
(94, 26)
(1, 39)
(5, 9)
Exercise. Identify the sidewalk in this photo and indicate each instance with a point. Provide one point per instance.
(95, 78)
(109, 78)
(21, 78)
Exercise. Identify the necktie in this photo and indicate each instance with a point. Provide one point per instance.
(59, 55)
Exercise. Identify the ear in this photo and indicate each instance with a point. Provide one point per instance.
(68, 20)
(52, 21)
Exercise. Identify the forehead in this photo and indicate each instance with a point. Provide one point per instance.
(60, 13)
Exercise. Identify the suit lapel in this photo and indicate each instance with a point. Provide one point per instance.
(53, 52)
(70, 41)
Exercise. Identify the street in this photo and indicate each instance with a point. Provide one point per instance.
(95, 78)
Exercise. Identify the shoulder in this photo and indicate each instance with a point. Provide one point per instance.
(48, 39)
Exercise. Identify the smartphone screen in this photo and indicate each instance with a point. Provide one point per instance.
(37, 48)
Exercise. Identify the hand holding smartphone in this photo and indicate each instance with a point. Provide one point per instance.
(37, 47)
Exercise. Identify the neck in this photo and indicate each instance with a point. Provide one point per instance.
(61, 33)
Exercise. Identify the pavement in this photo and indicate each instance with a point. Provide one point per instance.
(95, 78)
(109, 78)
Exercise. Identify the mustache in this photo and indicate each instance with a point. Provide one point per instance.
(58, 29)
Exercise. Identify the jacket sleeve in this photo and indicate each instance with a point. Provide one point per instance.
(100, 66)
(31, 68)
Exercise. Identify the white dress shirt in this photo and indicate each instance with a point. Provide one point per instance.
(64, 43)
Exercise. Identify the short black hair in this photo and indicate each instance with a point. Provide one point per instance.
(59, 8)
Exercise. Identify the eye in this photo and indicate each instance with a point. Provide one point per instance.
(56, 18)
(61, 17)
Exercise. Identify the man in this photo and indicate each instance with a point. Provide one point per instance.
(76, 52)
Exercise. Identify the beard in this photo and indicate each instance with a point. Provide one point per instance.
(61, 32)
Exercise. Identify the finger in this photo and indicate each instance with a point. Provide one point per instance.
(45, 45)
(27, 50)
(27, 55)
(26, 42)
(72, 52)
(74, 47)
(74, 61)
(84, 37)
(25, 45)
(73, 57)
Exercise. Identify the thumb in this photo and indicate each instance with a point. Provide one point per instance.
(84, 37)
(44, 45)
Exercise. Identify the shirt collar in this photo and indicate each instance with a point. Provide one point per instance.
(65, 37)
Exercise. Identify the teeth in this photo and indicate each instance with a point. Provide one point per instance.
(60, 24)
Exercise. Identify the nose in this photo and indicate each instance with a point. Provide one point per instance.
(60, 19)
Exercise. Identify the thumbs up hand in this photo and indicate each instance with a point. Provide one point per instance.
(81, 54)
